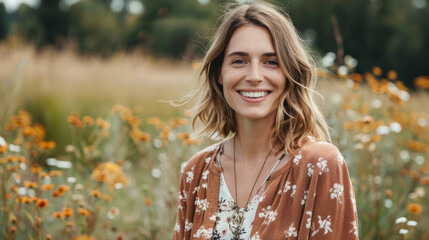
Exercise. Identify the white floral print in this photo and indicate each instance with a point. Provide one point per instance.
(337, 192)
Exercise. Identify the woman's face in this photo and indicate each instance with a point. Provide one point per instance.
(251, 76)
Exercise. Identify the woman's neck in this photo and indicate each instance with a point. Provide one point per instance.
(253, 138)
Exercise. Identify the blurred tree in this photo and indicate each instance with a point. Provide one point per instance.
(55, 22)
(3, 22)
(27, 26)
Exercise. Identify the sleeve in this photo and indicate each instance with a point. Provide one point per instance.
(179, 228)
(330, 212)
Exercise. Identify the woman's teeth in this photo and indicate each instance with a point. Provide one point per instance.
(253, 94)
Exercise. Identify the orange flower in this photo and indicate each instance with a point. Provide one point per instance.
(377, 71)
(116, 108)
(25, 199)
(392, 75)
(10, 158)
(43, 174)
(422, 82)
(28, 131)
(102, 123)
(106, 198)
(89, 120)
(12, 230)
(84, 212)
(191, 141)
(424, 180)
(20, 159)
(63, 189)
(48, 187)
(84, 237)
(57, 214)
(96, 193)
(2, 160)
(47, 145)
(388, 192)
(417, 146)
(74, 120)
(183, 135)
(29, 184)
(110, 173)
(55, 173)
(42, 203)
(36, 168)
(177, 122)
(48, 237)
(153, 121)
(147, 201)
(13, 219)
(68, 212)
(415, 208)
(3, 148)
(356, 77)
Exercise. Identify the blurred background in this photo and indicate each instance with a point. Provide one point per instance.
(85, 91)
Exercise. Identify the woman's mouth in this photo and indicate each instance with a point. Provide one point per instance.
(253, 94)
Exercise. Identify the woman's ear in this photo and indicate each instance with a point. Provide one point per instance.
(220, 80)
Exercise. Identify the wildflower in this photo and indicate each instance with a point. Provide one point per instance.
(48, 237)
(177, 122)
(153, 121)
(412, 223)
(96, 193)
(28, 131)
(43, 175)
(74, 120)
(47, 145)
(20, 159)
(102, 123)
(191, 141)
(417, 146)
(57, 214)
(422, 82)
(13, 219)
(388, 192)
(26, 200)
(424, 180)
(136, 134)
(414, 208)
(55, 173)
(12, 230)
(42, 203)
(84, 237)
(3, 146)
(47, 187)
(29, 184)
(36, 168)
(63, 189)
(88, 120)
(106, 197)
(10, 158)
(68, 212)
(116, 108)
(392, 75)
(2, 160)
(183, 135)
(377, 71)
(110, 173)
(401, 220)
(403, 231)
(113, 212)
(356, 77)
(147, 201)
(84, 212)
(133, 121)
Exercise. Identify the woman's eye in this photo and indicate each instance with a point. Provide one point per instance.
(238, 61)
(272, 62)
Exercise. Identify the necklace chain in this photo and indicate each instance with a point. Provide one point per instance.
(254, 183)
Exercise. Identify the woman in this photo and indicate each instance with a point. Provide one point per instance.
(274, 176)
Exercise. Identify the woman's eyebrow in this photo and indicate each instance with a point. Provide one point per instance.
(245, 54)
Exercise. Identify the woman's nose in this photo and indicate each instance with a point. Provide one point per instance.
(254, 75)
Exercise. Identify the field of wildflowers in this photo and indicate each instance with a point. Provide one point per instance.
(108, 171)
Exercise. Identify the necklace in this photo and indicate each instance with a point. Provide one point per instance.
(241, 219)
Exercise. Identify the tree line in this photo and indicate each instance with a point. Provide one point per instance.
(391, 34)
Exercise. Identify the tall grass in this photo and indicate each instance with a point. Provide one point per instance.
(125, 161)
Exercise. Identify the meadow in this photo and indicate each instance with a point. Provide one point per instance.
(90, 148)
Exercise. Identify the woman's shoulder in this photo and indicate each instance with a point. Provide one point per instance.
(201, 158)
(318, 153)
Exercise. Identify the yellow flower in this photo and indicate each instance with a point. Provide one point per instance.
(415, 208)
(110, 173)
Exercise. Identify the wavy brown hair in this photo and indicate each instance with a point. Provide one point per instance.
(298, 116)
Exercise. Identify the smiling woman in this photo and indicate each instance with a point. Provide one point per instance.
(274, 175)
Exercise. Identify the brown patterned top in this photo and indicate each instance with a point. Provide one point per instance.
(310, 197)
